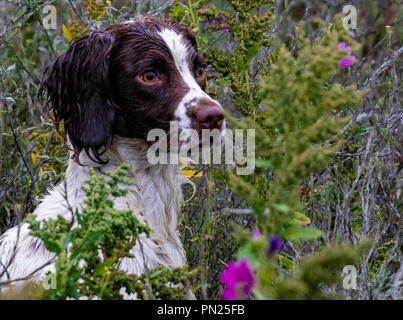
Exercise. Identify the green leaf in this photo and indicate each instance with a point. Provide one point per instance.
(224, 81)
(218, 176)
(297, 232)
(253, 51)
(154, 274)
(205, 38)
(91, 239)
(240, 63)
(177, 10)
(282, 207)
(102, 267)
(260, 163)
(302, 219)
(286, 262)
(246, 252)
(71, 236)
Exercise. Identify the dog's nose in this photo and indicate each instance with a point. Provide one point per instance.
(210, 115)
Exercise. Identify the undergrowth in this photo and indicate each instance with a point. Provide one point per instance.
(329, 151)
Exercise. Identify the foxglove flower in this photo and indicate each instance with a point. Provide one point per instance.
(239, 280)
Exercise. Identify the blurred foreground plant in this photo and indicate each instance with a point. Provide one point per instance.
(296, 125)
(89, 249)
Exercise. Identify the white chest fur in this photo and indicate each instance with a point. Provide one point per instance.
(155, 198)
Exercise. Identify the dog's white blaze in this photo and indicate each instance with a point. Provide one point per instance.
(179, 52)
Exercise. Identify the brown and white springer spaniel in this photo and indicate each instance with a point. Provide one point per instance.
(110, 89)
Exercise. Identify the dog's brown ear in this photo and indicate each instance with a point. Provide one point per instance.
(78, 92)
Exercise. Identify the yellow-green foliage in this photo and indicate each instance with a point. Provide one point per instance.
(296, 135)
(321, 269)
(95, 12)
(76, 29)
(295, 105)
(88, 256)
(250, 34)
(55, 154)
(297, 113)
(301, 110)
(382, 255)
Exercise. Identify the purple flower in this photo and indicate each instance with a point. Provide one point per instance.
(225, 24)
(342, 46)
(255, 233)
(350, 60)
(347, 62)
(218, 22)
(239, 280)
(275, 245)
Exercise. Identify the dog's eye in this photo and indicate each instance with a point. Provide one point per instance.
(149, 76)
(201, 72)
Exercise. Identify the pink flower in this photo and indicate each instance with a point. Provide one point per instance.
(350, 60)
(218, 22)
(239, 280)
(225, 24)
(347, 62)
(342, 46)
(255, 233)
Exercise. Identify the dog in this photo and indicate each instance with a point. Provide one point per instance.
(110, 88)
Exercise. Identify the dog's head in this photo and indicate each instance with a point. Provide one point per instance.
(127, 80)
